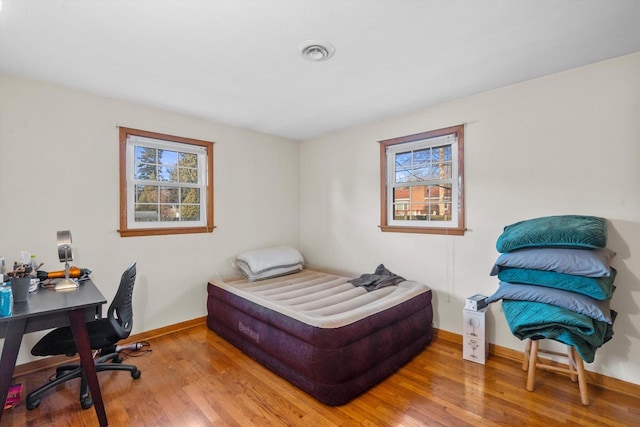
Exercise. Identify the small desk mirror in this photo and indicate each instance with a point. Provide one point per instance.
(65, 255)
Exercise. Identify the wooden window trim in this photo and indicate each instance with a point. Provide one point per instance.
(133, 232)
(384, 225)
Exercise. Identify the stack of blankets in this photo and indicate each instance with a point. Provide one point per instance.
(556, 281)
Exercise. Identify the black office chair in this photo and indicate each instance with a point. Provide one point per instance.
(103, 334)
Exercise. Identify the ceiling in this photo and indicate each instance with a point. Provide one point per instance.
(237, 62)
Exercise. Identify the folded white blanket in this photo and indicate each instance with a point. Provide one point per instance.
(269, 262)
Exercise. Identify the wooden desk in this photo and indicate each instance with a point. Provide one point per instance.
(47, 309)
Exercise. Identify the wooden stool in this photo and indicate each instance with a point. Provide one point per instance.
(575, 371)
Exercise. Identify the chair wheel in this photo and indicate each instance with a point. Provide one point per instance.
(136, 374)
(33, 404)
(86, 402)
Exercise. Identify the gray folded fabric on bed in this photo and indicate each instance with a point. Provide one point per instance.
(280, 270)
(379, 279)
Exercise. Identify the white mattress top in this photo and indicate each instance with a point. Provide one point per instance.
(320, 299)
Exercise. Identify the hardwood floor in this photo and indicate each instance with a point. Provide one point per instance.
(195, 378)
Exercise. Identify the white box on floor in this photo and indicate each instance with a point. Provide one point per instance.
(475, 346)
(476, 302)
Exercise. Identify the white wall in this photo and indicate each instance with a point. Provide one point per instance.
(567, 143)
(59, 170)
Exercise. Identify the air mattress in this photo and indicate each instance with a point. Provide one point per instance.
(324, 335)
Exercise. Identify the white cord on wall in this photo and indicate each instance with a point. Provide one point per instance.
(450, 264)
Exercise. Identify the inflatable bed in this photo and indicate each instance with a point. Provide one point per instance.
(329, 337)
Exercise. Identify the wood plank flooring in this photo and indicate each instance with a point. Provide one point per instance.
(195, 378)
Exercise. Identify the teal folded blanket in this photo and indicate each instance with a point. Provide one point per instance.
(566, 231)
(537, 320)
(600, 288)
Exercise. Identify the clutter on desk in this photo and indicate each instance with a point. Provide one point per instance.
(26, 277)
(25, 270)
(28, 266)
(20, 270)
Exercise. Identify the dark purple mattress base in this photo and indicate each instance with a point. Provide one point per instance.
(334, 365)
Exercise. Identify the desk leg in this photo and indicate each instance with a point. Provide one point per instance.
(12, 340)
(79, 329)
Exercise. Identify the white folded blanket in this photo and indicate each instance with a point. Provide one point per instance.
(269, 262)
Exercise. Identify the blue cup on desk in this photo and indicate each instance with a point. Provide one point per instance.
(6, 301)
(20, 288)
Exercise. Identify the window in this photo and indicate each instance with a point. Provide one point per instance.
(422, 182)
(166, 184)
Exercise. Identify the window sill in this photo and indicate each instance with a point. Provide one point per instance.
(135, 232)
(424, 230)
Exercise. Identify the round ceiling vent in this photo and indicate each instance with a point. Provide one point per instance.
(316, 51)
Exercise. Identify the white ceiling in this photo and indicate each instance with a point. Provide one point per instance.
(237, 62)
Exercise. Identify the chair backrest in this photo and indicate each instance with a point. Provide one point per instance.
(121, 309)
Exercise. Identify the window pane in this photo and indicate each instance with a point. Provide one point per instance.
(420, 167)
(145, 163)
(401, 203)
(419, 211)
(146, 155)
(447, 152)
(169, 213)
(146, 194)
(419, 193)
(448, 170)
(400, 211)
(401, 194)
(188, 160)
(167, 170)
(190, 212)
(188, 175)
(169, 195)
(442, 152)
(440, 203)
(436, 154)
(145, 213)
(441, 170)
(403, 163)
(441, 193)
(190, 195)
(146, 171)
(168, 158)
(440, 212)
(402, 175)
(167, 173)
(419, 203)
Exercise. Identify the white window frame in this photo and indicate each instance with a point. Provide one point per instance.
(389, 149)
(129, 140)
